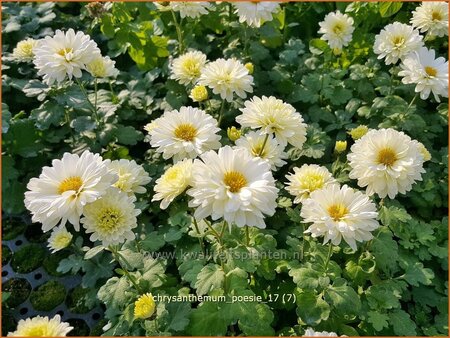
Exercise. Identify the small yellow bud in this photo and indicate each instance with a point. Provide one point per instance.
(199, 94)
(144, 307)
(249, 67)
(358, 132)
(425, 153)
(340, 146)
(337, 51)
(233, 133)
(24, 50)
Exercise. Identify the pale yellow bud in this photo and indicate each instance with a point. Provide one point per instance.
(358, 132)
(425, 153)
(340, 146)
(249, 67)
(199, 94)
(233, 133)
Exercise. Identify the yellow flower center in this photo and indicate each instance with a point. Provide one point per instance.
(124, 181)
(436, 16)
(97, 68)
(398, 40)
(62, 240)
(186, 132)
(338, 28)
(109, 219)
(234, 180)
(191, 67)
(70, 183)
(312, 181)
(387, 156)
(144, 307)
(38, 330)
(66, 53)
(431, 71)
(337, 211)
(172, 174)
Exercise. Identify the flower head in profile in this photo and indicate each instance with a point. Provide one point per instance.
(185, 134)
(386, 161)
(144, 306)
(276, 117)
(358, 132)
(65, 55)
(423, 150)
(431, 17)
(337, 30)
(338, 213)
(186, 69)
(233, 185)
(102, 67)
(41, 327)
(270, 150)
(59, 239)
(24, 50)
(396, 41)
(311, 333)
(255, 13)
(428, 73)
(62, 191)
(111, 218)
(173, 182)
(226, 77)
(306, 179)
(191, 9)
(132, 176)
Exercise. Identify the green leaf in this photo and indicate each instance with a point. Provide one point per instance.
(210, 277)
(131, 260)
(152, 241)
(127, 135)
(22, 139)
(305, 278)
(416, 274)
(378, 320)
(389, 8)
(49, 113)
(317, 46)
(402, 323)
(116, 292)
(385, 251)
(178, 316)
(83, 123)
(190, 269)
(209, 319)
(91, 253)
(344, 299)
(72, 263)
(311, 308)
(6, 117)
(391, 215)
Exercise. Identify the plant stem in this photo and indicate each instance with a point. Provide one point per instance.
(94, 108)
(263, 145)
(223, 229)
(198, 232)
(179, 33)
(96, 96)
(330, 250)
(216, 234)
(247, 235)
(222, 107)
(117, 257)
(411, 103)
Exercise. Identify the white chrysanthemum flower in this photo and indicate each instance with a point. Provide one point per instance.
(173, 182)
(226, 77)
(273, 152)
(132, 176)
(234, 185)
(191, 9)
(24, 50)
(64, 55)
(431, 17)
(255, 13)
(386, 161)
(306, 179)
(311, 333)
(340, 213)
(111, 218)
(396, 41)
(187, 68)
(276, 117)
(41, 327)
(185, 134)
(428, 73)
(62, 191)
(102, 67)
(337, 30)
(59, 239)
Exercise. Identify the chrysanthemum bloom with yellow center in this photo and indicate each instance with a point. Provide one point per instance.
(144, 306)
(173, 182)
(396, 41)
(338, 213)
(233, 185)
(59, 239)
(306, 179)
(358, 132)
(41, 327)
(226, 77)
(185, 134)
(186, 69)
(132, 176)
(275, 117)
(24, 50)
(270, 150)
(431, 17)
(311, 333)
(199, 94)
(111, 218)
(64, 55)
(386, 161)
(102, 67)
(191, 9)
(430, 74)
(337, 30)
(255, 13)
(62, 191)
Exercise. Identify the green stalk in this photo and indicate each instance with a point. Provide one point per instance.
(264, 145)
(179, 33)
(117, 257)
(222, 107)
(330, 250)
